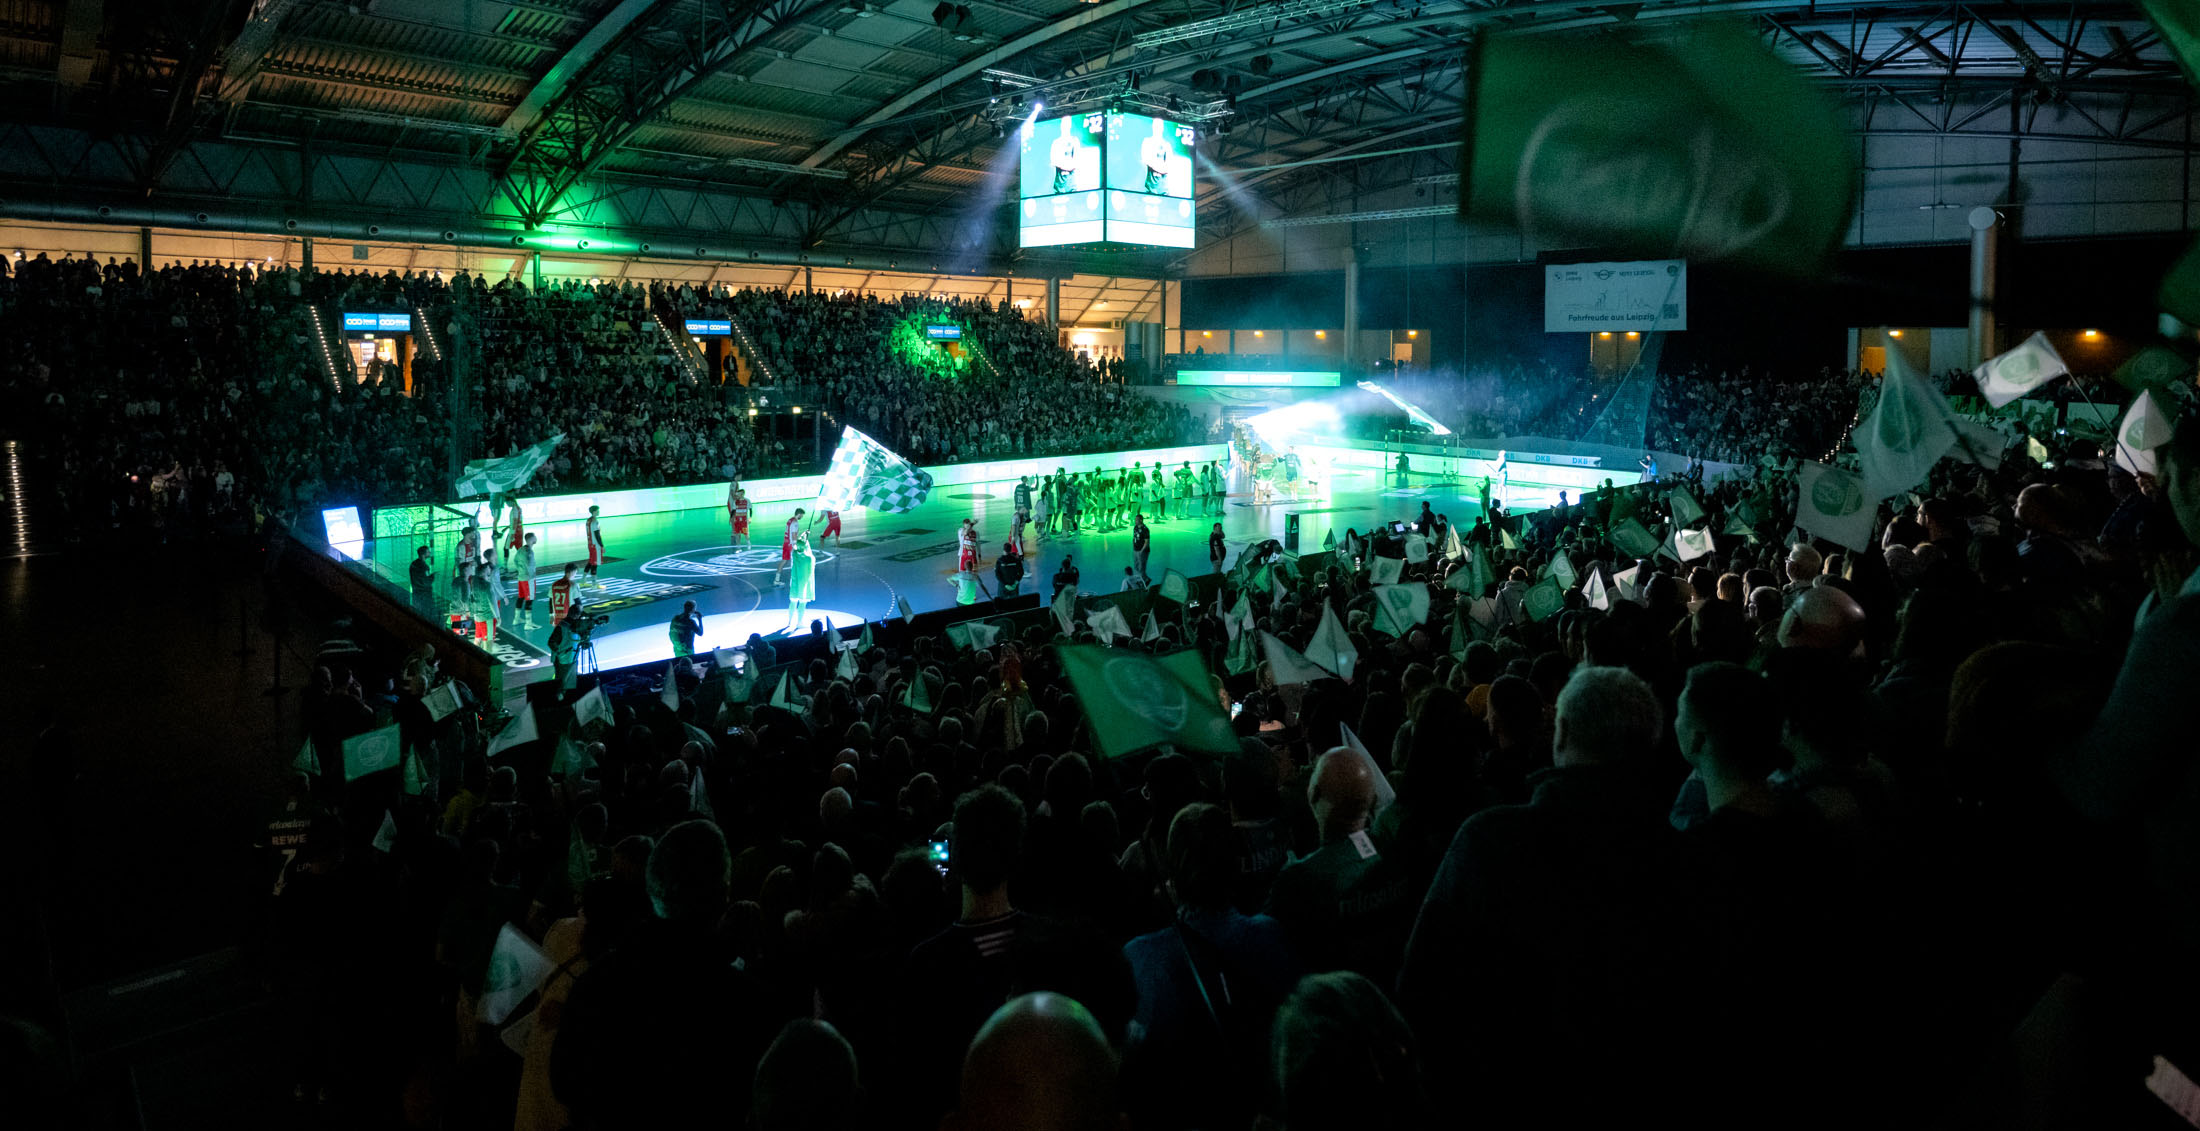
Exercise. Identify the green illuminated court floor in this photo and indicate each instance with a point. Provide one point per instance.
(662, 560)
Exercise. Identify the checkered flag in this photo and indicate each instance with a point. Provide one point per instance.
(865, 473)
(504, 476)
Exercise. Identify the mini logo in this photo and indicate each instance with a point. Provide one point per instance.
(720, 561)
(1836, 493)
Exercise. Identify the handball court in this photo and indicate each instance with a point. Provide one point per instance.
(655, 562)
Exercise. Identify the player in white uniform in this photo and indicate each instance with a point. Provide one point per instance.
(1063, 155)
(1155, 154)
(524, 602)
(492, 598)
(595, 546)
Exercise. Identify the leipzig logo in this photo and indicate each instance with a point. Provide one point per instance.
(720, 561)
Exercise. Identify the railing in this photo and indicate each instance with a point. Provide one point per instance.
(328, 356)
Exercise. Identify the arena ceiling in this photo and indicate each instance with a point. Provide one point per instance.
(777, 128)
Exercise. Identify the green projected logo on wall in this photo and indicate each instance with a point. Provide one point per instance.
(1273, 378)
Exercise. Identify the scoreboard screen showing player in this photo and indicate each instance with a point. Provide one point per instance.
(1106, 177)
(1059, 198)
(1149, 181)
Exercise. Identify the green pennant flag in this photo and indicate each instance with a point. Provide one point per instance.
(1175, 587)
(1684, 506)
(1461, 635)
(1623, 506)
(1631, 538)
(2155, 367)
(917, 697)
(2179, 294)
(369, 753)
(416, 777)
(1241, 656)
(783, 695)
(1505, 539)
(1135, 702)
(1738, 528)
(1261, 580)
(307, 761)
(1329, 540)
(1545, 598)
(1704, 146)
(864, 642)
(572, 759)
(1562, 568)
(847, 669)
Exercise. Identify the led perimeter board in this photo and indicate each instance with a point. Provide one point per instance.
(1112, 177)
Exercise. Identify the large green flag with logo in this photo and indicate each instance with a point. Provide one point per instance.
(2179, 23)
(1137, 702)
(1707, 146)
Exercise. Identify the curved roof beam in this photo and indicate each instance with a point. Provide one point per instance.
(1077, 21)
(577, 60)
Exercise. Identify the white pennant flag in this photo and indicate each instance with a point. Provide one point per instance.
(517, 968)
(1416, 548)
(1330, 648)
(1108, 623)
(1384, 794)
(847, 669)
(1288, 665)
(908, 615)
(2145, 427)
(385, 838)
(783, 695)
(1630, 583)
(1398, 608)
(1065, 610)
(1594, 592)
(1153, 629)
(670, 696)
(1453, 548)
(2032, 364)
(1384, 571)
(1834, 505)
(520, 730)
(1688, 545)
(1908, 432)
(592, 707)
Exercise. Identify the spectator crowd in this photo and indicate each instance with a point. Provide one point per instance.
(209, 396)
(1784, 834)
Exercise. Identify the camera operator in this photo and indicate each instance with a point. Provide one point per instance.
(566, 639)
(687, 624)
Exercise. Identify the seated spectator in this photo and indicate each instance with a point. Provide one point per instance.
(1345, 1059)
(1343, 906)
(665, 1005)
(1208, 986)
(1536, 947)
(956, 978)
(1039, 1063)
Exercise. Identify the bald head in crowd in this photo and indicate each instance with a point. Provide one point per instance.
(1341, 793)
(1040, 1063)
(1824, 619)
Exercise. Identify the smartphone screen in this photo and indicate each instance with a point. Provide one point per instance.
(1237, 708)
(939, 856)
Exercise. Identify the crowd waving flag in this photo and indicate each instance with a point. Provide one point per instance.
(1833, 504)
(866, 473)
(1708, 146)
(504, 476)
(1907, 433)
(2032, 364)
(1136, 702)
